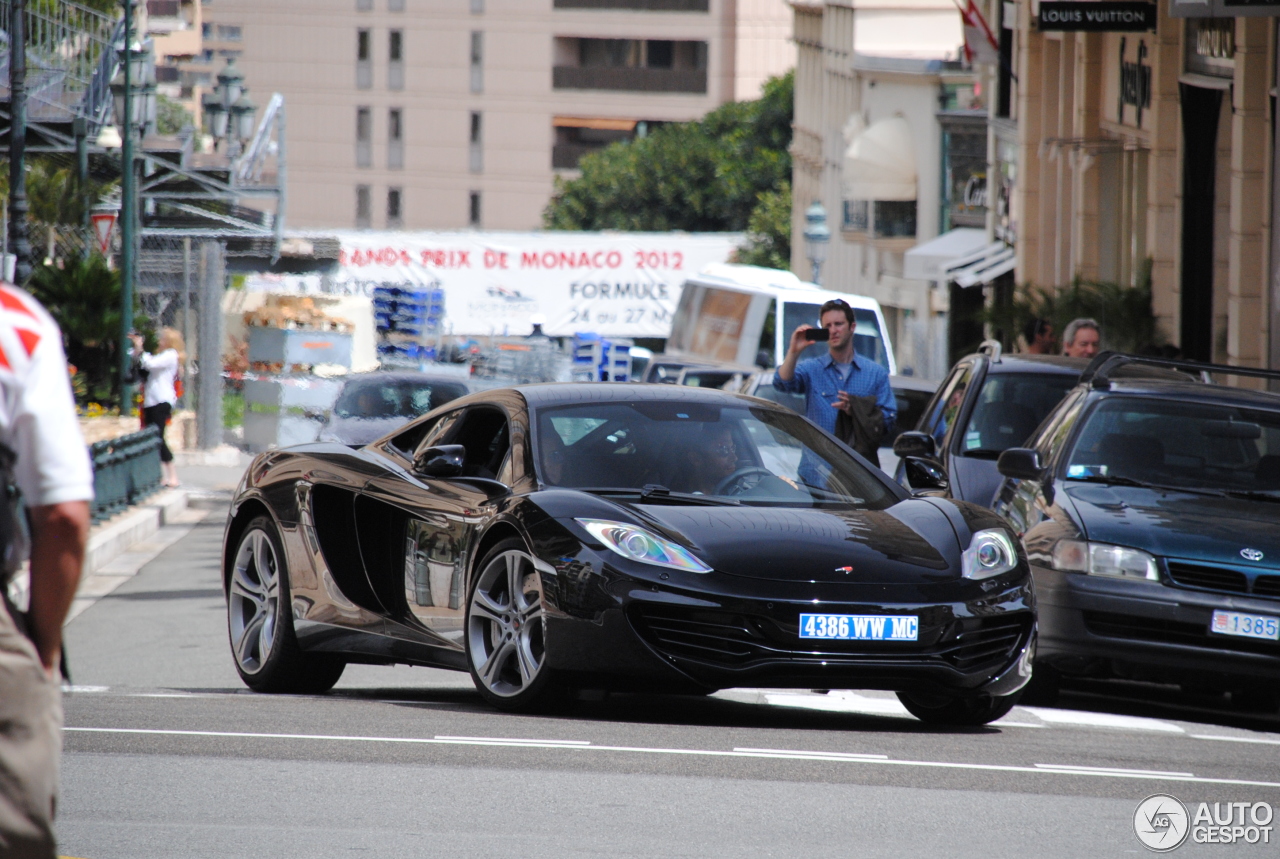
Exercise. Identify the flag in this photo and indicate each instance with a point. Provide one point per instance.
(980, 45)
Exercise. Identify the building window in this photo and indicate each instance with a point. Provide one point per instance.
(637, 65)
(363, 207)
(641, 5)
(230, 32)
(364, 59)
(855, 216)
(395, 60)
(894, 219)
(364, 137)
(395, 5)
(395, 139)
(477, 61)
(473, 215)
(395, 215)
(576, 136)
(477, 7)
(477, 142)
(364, 5)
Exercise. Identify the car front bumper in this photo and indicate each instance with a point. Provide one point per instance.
(623, 631)
(1091, 624)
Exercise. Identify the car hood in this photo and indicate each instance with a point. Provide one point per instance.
(1180, 524)
(912, 542)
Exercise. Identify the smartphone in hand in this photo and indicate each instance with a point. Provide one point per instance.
(817, 335)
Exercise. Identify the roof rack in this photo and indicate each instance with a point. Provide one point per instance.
(1096, 374)
(992, 349)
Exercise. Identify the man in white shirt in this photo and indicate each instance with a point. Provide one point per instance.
(51, 468)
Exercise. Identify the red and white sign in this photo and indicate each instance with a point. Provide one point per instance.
(615, 284)
(104, 223)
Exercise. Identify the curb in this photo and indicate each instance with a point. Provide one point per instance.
(112, 538)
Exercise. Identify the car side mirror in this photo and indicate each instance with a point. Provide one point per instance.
(1021, 463)
(918, 444)
(925, 475)
(443, 461)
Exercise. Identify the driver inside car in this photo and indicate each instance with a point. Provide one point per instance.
(713, 459)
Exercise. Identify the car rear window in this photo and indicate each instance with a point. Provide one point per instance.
(1009, 408)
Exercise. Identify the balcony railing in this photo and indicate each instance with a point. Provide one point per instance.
(565, 156)
(629, 79)
(163, 8)
(644, 5)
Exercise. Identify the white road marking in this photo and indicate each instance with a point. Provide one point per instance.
(1102, 720)
(840, 701)
(1235, 739)
(836, 756)
(1082, 769)
(792, 753)
(516, 742)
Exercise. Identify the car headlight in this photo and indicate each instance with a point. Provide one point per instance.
(637, 544)
(990, 553)
(1103, 559)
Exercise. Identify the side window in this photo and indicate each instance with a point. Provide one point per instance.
(947, 407)
(408, 442)
(485, 434)
(1053, 430)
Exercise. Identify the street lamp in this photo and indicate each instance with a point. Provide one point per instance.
(228, 110)
(817, 238)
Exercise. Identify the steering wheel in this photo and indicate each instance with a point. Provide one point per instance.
(735, 480)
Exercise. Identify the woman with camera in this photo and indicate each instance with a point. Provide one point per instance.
(162, 374)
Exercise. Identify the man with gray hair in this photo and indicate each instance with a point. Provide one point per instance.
(1080, 338)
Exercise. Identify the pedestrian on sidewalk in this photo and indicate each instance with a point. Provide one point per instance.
(45, 466)
(160, 395)
(840, 381)
(1080, 338)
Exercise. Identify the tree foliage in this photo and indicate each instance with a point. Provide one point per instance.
(1123, 312)
(769, 230)
(171, 116)
(703, 176)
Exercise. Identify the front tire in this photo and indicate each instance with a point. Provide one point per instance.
(506, 631)
(260, 622)
(955, 711)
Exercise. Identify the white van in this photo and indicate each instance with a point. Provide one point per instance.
(744, 315)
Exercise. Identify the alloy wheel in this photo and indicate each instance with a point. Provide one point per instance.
(504, 625)
(253, 604)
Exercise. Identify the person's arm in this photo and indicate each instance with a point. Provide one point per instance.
(888, 403)
(786, 372)
(58, 535)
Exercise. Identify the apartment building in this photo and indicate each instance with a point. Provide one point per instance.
(449, 114)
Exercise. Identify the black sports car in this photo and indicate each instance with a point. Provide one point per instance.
(607, 536)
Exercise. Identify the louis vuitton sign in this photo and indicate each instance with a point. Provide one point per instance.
(1110, 16)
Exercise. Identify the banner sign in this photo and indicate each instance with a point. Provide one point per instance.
(614, 284)
(1108, 16)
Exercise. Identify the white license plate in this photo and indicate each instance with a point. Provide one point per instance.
(1245, 625)
(858, 627)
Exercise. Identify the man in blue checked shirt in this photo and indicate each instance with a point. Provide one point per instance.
(828, 382)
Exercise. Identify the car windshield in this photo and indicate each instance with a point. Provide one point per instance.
(709, 453)
(394, 398)
(1179, 443)
(1009, 408)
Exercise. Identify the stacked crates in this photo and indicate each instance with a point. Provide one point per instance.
(596, 359)
(407, 317)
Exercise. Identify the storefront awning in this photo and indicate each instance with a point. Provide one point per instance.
(930, 259)
(981, 267)
(880, 163)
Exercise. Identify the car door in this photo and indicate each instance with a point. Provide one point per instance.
(426, 566)
(943, 412)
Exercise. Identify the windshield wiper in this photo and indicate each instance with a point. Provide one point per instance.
(1117, 480)
(655, 494)
(1254, 494)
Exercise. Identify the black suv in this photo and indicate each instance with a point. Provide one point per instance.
(988, 403)
(1150, 511)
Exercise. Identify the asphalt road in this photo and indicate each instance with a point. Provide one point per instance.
(168, 755)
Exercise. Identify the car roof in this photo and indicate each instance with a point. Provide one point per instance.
(565, 393)
(1187, 390)
(401, 376)
(1022, 362)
